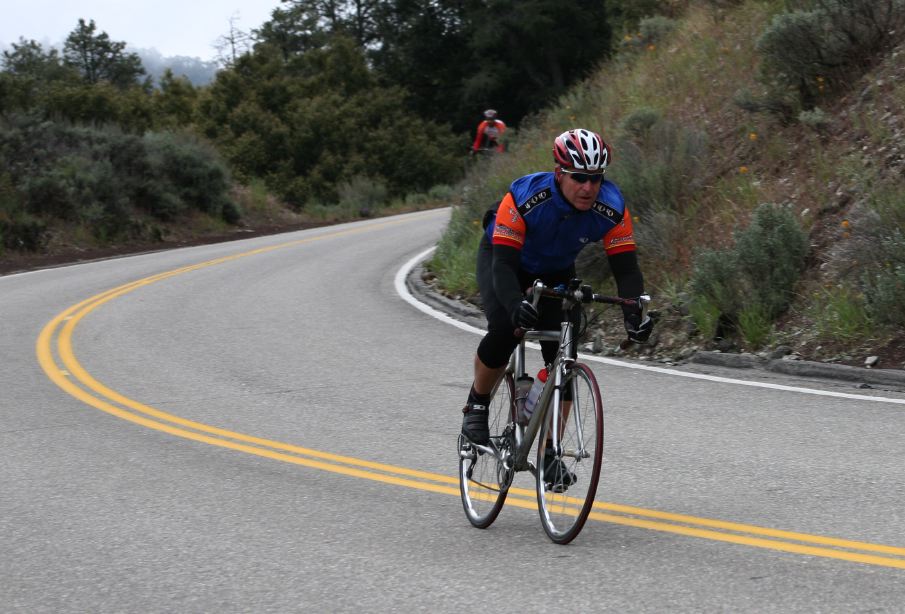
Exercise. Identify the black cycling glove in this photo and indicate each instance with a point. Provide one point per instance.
(638, 330)
(524, 315)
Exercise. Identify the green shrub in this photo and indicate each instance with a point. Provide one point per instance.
(887, 202)
(754, 324)
(362, 195)
(808, 53)
(23, 232)
(770, 255)
(49, 194)
(840, 314)
(656, 28)
(886, 288)
(882, 249)
(639, 122)
(752, 282)
(456, 253)
(884, 281)
(441, 192)
(715, 282)
(814, 118)
(705, 315)
(104, 179)
(649, 31)
(192, 175)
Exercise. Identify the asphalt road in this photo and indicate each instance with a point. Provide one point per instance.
(268, 426)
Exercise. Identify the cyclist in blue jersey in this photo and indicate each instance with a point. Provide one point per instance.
(536, 232)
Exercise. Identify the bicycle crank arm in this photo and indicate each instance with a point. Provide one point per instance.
(576, 454)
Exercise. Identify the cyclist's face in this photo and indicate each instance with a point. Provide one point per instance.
(581, 194)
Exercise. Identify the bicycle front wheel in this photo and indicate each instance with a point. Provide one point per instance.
(567, 478)
(485, 476)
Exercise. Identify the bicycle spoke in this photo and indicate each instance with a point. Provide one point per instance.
(567, 484)
(483, 479)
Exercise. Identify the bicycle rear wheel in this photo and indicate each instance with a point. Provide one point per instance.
(484, 479)
(567, 483)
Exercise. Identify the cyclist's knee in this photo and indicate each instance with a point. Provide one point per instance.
(495, 349)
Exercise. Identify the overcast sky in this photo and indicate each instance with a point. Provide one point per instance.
(173, 27)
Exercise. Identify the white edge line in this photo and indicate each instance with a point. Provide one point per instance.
(407, 296)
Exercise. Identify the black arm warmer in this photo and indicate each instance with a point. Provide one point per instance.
(629, 281)
(506, 261)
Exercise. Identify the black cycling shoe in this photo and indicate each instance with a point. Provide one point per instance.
(474, 423)
(556, 476)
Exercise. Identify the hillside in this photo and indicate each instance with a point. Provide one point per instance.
(695, 165)
(828, 174)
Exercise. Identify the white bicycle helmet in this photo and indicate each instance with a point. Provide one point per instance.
(581, 149)
(490, 114)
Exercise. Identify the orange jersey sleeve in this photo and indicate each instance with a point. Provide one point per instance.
(479, 136)
(621, 237)
(510, 226)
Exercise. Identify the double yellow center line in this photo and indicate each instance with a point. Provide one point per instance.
(57, 359)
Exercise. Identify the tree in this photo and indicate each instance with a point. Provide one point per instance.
(28, 59)
(357, 19)
(28, 71)
(310, 122)
(174, 102)
(233, 44)
(97, 58)
(424, 47)
(455, 58)
(531, 50)
(301, 27)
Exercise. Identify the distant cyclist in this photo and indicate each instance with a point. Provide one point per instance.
(536, 232)
(489, 136)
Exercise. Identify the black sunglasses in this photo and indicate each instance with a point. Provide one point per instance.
(585, 177)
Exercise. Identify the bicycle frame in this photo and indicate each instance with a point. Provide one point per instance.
(525, 435)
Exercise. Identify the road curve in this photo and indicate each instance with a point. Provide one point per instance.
(266, 425)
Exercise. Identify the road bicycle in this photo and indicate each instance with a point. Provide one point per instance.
(568, 416)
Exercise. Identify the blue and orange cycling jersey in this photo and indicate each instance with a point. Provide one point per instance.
(535, 218)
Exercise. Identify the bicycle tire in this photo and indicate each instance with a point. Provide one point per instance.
(564, 498)
(481, 484)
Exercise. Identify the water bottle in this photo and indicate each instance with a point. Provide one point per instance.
(534, 394)
(522, 387)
